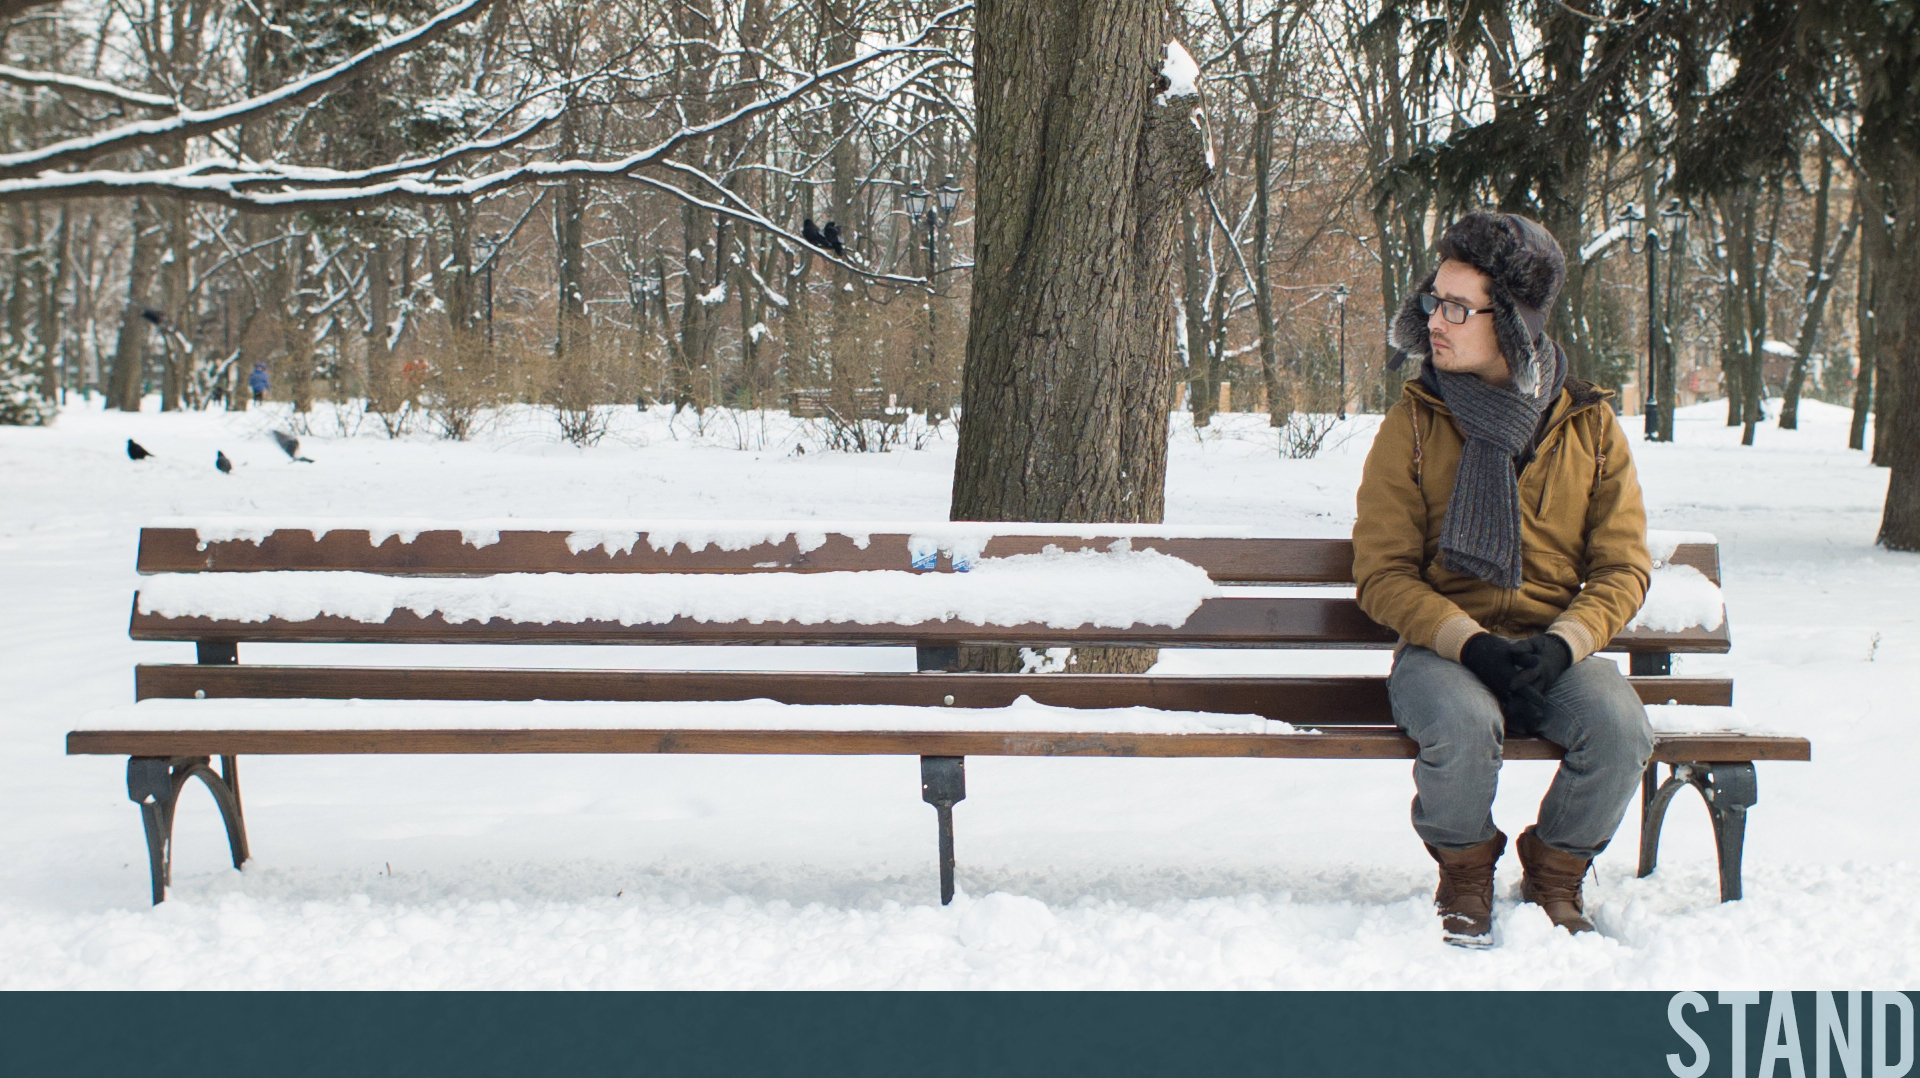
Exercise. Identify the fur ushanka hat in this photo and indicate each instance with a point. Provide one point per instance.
(1526, 269)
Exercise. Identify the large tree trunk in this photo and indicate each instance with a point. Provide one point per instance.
(852, 367)
(1279, 407)
(54, 357)
(1824, 267)
(1866, 304)
(1756, 299)
(1082, 178)
(1878, 321)
(571, 333)
(1893, 174)
(383, 386)
(1203, 370)
(174, 274)
(1736, 235)
(1563, 205)
(129, 353)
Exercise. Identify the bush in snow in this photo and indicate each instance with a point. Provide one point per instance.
(20, 402)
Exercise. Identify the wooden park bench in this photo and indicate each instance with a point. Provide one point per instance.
(867, 402)
(191, 713)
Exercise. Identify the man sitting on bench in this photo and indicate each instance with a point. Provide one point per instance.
(1501, 533)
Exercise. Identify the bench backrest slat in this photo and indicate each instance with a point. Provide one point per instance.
(446, 553)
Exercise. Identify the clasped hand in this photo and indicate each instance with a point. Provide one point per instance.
(1518, 672)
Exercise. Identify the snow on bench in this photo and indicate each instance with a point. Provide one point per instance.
(1024, 716)
(1109, 589)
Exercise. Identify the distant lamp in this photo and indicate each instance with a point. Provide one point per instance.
(1675, 214)
(1635, 222)
(949, 195)
(916, 198)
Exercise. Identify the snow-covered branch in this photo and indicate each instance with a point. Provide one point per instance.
(192, 123)
(49, 80)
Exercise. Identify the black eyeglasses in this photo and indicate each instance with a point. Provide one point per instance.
(1457, 313)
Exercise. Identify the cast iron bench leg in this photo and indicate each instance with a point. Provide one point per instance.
(943, 781)
(1730, 789)
(154, 783)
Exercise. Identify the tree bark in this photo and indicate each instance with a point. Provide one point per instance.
(1279, 408)
(383, 388)
(570, 337)
(1203, 369)
(1823, 267)
(1736, 229)
(1866, 320)
(1082, 179)
(129, 352)
(1892, 174)
(1757, 321)
(174, 274)
(852, 369)
(53, 351)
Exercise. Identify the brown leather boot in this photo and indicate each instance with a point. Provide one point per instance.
(1551, 879)
(1465, 895)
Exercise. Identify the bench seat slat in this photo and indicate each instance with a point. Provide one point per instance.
(1375, 743)
(442, 552)
(1360, 699)
(1231, 622)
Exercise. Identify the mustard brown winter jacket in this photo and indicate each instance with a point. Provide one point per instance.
(1583, 530)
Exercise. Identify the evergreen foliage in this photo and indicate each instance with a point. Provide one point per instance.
(20, 402)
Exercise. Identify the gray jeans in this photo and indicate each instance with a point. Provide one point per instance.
(1591, 712)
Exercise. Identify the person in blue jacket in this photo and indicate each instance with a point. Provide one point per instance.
(257, 381)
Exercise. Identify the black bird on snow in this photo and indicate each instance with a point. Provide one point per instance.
(832, 238)
(290, 445)
(221, 462)
(136, 451)
(812, 234)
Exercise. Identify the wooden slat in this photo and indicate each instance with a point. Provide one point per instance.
(1234, 622)
(1362, 744)
(1702, 556)
(443, 553)
(1358, 699)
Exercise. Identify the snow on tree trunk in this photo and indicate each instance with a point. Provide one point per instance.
(1084, 166)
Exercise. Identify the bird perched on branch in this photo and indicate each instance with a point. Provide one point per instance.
(221, 462)
(290, 445)
(136, 451)
(154, 316)
(812, 234)
(831, 238)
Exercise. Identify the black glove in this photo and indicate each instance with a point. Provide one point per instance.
(1545, 657)
(1496, 661)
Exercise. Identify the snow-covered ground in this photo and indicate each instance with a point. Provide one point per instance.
(697, 872)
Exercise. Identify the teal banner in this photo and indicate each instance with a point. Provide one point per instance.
(1483, 1035)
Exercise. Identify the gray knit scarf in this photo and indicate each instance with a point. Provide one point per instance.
(1481, 536)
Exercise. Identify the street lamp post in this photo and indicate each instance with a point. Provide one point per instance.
(1644, 237)
(1340, 294)
(1676, 218)
(933, 206)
